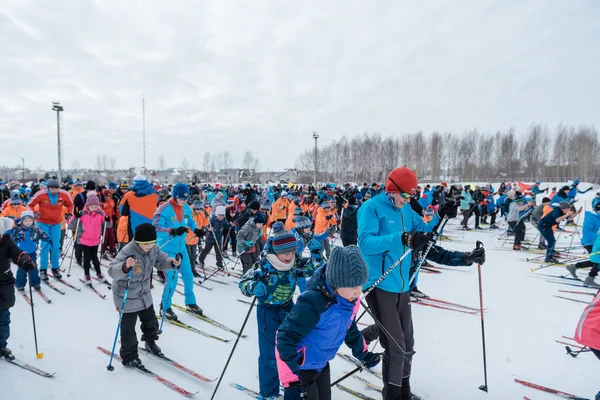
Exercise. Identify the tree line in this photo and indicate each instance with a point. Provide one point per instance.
(567, 152)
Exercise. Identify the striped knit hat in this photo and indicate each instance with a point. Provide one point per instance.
(298, 211)
(283, 241)
(302, 222)
(325, 205)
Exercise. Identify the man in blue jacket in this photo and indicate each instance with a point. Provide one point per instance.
(172, 221)
(591, 228)
(387, 229)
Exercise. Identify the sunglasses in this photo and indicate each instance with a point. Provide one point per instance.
(404, 195)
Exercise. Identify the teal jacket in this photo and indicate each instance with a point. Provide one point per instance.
(465, 203)
(166, 219)
(380, 228)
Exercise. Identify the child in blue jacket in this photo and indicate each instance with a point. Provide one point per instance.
(321, 320)
(273, 281)
(26, 235)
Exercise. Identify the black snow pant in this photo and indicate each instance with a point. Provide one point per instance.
(230, 235)
(315, 386)
(477, 213)
(90, 255)
(519, 231)
(493, 215)
(248, 260)
(588, 264)
(129, 343)
(207, 248)
(393, 311)
(596, 352)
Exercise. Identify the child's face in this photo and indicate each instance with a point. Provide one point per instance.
(349, 294)
(286, 257)
(146, 247)
(181, 202)
(93, 208)
(220, 217)
(27, 222)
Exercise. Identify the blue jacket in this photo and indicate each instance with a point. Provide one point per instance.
(596, 249)
(27, 238)
(491, 204)
(319, 323)
(427, 200)
(501, 200)
(591, 226)
(595, 201)
(380, 228)
(550, 219)
(557, 199)
(281, 285)
(217, 229)
(165, 219)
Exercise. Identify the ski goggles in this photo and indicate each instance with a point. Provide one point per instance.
(405, 195)
(152, 241)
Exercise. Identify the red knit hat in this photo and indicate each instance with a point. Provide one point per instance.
(401, 180)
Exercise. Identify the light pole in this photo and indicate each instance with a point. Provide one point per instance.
(23, 159)
(315, 136)
(58, 108)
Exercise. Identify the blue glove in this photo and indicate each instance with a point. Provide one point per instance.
(369, 359)
(259, 289)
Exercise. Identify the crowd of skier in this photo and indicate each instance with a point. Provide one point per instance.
(284, 237)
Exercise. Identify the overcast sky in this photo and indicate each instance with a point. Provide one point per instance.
(263, 75)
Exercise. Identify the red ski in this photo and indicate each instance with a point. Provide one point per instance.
(178, 366)
(25, 296)
(102, 296)
(421, 302)
(569, 344)
(564, 395)
(450, 303)
(43, 296)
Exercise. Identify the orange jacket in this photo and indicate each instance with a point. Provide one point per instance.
(280, 208)
(51, 214)
(122, 234)
(321, 221)
(202, 222)
(264, 228)
(13, 211)
(109, 207)
(547, 210)
(289, 223)
(74, 192)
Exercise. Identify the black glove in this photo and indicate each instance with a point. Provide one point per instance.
(68, 216)
(328, 217)
(449, 209)
(178, 231)
(369, 359)
(199, 232)
(476, 256)
(106, 218)
(416, 240)
(26, 263)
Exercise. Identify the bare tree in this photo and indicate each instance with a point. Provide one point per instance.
(161, 162)
(227, 160)
(75, 165)
(248, 160)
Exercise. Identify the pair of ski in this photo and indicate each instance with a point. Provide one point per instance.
(445, 305)
(195, 330)
(209, 320)
(28, 300)
(159, 378)
(255, 395)
(558, 393)
(89, 285)
(574, 344)
(30, 368)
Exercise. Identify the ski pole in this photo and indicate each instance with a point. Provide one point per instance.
(234, 347)
(483, 387)
(37, 354)
(102, 237)
(73, 249)
(348, 375)
(112, 353)
(577, 230)
(574, 354)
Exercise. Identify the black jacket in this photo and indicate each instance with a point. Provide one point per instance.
(349, 230)
(9, 252)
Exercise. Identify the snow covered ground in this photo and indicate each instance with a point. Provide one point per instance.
(522, 322)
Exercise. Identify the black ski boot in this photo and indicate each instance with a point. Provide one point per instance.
(154, 349)
(195, 273)
(169, 314)
(133, 363)
(417, 293)
(194, 308)
(6, 353)
(56, 273)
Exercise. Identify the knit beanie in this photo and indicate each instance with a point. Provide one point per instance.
(564, 205)
(139, 178)
(302, 222)
(597, 208)
(124, 186)
(78, 183)
(145, 233)
(90, 185)
(283, 241)
(181, 191)
(112, 185)
(6, 224)
(326, 205)
(198, 205)
(254, 205)
(220, 211)
(346, 268)
(27, 214)
(15, 197)
(298, 211)
(53, 183)
(401, 180)
(266, 205)
(260, 218)
(92, 200)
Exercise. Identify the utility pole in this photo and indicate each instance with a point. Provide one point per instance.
(58, 108)
(144, 129)
(23, 179)
(315, 136)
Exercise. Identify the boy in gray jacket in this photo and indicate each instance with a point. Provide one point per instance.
(140, 256)
(246, 240)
